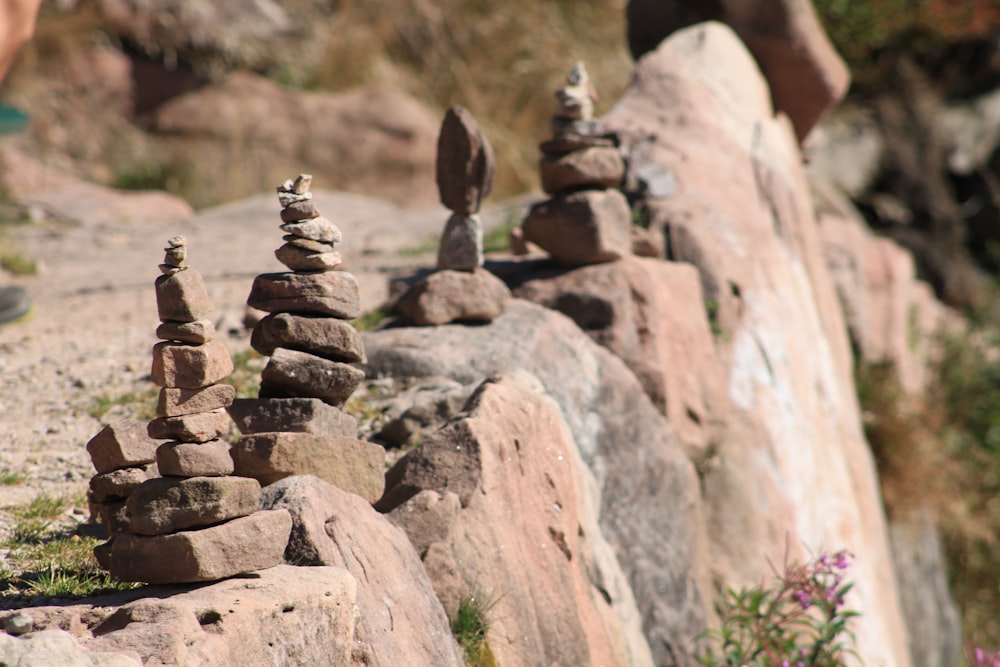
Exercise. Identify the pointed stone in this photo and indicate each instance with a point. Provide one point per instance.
(123, 444)
(465, 163)
(333, 293)
(182, 297)
(299, 415)
(190, 366)
(168, 504)
(290, 373)
(323, 336)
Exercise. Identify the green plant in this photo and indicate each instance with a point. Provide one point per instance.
(12, 478)
(17, 263)
(425, 248)
(370, 319)
(712, 311)
(470, 627)
(140, 404)
(245, 377)
(42, 506)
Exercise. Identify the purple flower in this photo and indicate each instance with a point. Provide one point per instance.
(803, 598)
(843, 560)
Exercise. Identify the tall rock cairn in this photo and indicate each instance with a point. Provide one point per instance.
(297, 426)
(587, 220)
(460, 290)
(197, 522)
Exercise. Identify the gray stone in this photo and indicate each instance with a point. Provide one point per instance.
(291, 374)
(174, 401)
(182, 297)
(187, 459)
(118, 485)
(300, 259)
(299, 415)
(197, 427)
(18, 623)
(123, 444)
(315, 229)
(454, 296)
(582, 228)
(587, 168)
(465, 162)
(300, 210)
(333, 293)
(168, 504)
(307, 244)
(190, 366)
(197, 332)
(461, 243)
(323, 336)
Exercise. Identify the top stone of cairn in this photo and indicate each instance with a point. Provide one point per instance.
(575, 104)
(465, 163)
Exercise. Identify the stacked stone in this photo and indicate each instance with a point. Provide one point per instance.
(197, 522)
(124, 456)
(460, 290)
(296, 426)
(588, 220)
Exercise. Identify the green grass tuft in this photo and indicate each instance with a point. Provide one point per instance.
(470, 627)
(245, 377)
(370, 319)
(140, 404)
(12, 478)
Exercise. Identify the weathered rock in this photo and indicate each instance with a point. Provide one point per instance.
(197, 332)
(428, 518)
(301, 259)
(333, 293)
(465, 163)
(356, 466)
(648, 243)
(174, 401)
(119, 484)
(299, 211)
(423, 407)
(322, 336)
(299, 415)
(307, 244)
(315, 229)
(114, 516)
(566, 142)
(122, 444)
(589, 168)
(461, 245)
(197, 427)
(57, 647)
(168, 504)
(582, 228)
(188, 459)
(291, 374)
(18, 623)
(182, 297)
(454, 296)
(190, 366)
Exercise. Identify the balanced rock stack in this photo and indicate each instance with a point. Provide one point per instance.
(197, 522)
(296, 426)
(460, 290)
(124, 456)
(587, 221)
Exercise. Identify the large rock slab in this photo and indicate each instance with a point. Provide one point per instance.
(57, 647)
(167, 504)
(331, 293)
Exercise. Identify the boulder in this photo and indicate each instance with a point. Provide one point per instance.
(182, 297)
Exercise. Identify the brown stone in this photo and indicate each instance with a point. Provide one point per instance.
(290, 374)
(299, 415)
(582, 228)
(123, 444)
(333, 293)
(301, 259)
(175, 401)
(569, 142)
(300, 210)
(249, 543)
(589, 168)
(190, 366)
(465, 162)
(182, 297)
(454, 296)
(197, 332)
(197, 427)
(118, 485)
(114, 516)
(168, 504)
(188, 459)
(461, 245)
(325, 337)
(357, 466)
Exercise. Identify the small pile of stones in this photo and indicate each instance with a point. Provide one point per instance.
(124, 456)
(297, 426)
(461, 289)
(197, 522)
(587, 220)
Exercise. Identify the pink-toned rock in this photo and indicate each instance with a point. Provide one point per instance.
(323, 336)
(291, 374)
(582, 228)
(356, 466)
(648, 243)
(597, 167)
(465, 162)
(197, 427)
(454, 296)
(333, 293)
(190, 366)
(119, 484)
(168, 504)
(197, 332)
(301, 259)
(182, 297)
(122, 444)
(188, 459)
(174, 401)
(298, 415)
(246, 544)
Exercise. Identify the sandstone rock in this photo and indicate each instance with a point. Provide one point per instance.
(333, 293)
(648, 243)
(461, 245)
(428, 518)
(57, 647)
(454, 296)
(423, 407)
(356, 466)
(307, 244)
(182, 297)
(299, 415)
(246, 544)
(582, 228)
(292, 374)
(465, 163)
(118, 484)
(188, 459)
(190, 366)
(197, 332)
(122, 444)
(299, 211)
(589, 168)
(566, 142)
(174, 401)
(322, 336)
(301, 259)
(114, 517)
(168, 504)
(197, 427)
(315, 229)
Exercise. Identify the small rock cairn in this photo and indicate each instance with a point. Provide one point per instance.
(460, 290)
(296, 426)
(587, 221)
(124, 456)
(196, 523)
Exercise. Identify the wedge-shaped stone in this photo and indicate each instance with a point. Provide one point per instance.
(325, 337)
(169, 504)
(182, 297)
(455, 296)
(118, 485)
(190, 459)
(123, 444)
(333, 293)
(246, 544)
(299, 415)
(598, 167)
(356, 466)
(175, 402)
(197, 332)
(199, 427)
(299, 374)
(190, 366)
(582, 228)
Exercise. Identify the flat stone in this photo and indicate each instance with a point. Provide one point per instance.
(325, 337)
(300, 210)
(168, 504)
(356, 466)
(568, 142)
(246, 544)
(300, 415)
(123, 444)
(301, 259)
(117, 485)
(315, 229)
(290, 374)
(465, 162)
(461, 243)
(187, 459)
(587, 168)
(454, 296)
(582, 228)
(182, 297)
(190, 366)
(333, 293)
(174, 401)
(197, 332)
(197, 427)
(307, 244)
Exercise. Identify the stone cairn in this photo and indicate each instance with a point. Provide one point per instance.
(461, 289)
(587, 220)
(296, 426)
(124, 456)
(197, 522)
